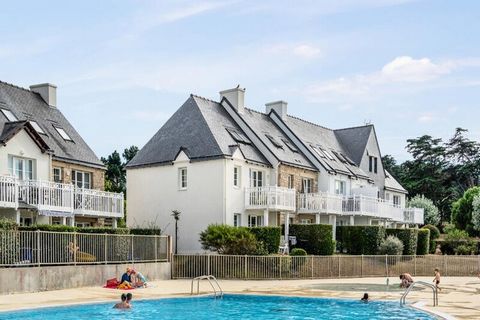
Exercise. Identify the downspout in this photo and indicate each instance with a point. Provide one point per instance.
(224, 218)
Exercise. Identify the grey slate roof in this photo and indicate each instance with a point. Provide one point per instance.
(314, 136)
(28, 105)
(200, 128)
(263, 125)
(392, 184)
(354, 141)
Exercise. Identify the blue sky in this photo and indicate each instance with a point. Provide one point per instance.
(123, 67)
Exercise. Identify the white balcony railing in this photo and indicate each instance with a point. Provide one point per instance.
(413, 215)
(59, 197)
(270, 198)
(96, 202)
(319, 202)
(8, 192)
(357, 205)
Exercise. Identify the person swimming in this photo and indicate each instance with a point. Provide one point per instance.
(365, 297)
(129, 299)
(123, 304)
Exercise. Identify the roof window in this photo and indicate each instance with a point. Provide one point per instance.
(36, 126)
(63, 134)
(274, 141)
(237, 136)
(290, 145)
(9, 115)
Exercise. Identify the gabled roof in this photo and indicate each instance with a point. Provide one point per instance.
(392, 184)
(10, 129)
(201, 127)
(354, 140)
(27, 105)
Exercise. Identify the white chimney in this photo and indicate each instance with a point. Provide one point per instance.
(47, 91)
(280, 108)
(236, 97)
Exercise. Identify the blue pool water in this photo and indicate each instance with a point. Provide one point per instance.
(229, 307)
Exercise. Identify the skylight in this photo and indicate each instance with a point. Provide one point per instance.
(237, 136)
(9, 115)
(339, 157)
(36, 127)
(63, 134)
(290, 145)
(318, 151)
(329, 156)
(274, 141)
(350, 161)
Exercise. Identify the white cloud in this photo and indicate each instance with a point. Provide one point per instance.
(306, 51)
(426, 118)
(407, 69)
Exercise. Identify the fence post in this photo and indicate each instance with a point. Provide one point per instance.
(106, 248)
(208, 265)
(133, 259)
(38, 247)
(386, 265)
(339, 273)
(245, 266)
(312, 264)
(280, 263)
(415, 265)
(361, 267)
(445, 264)
(156, 238)
(75, 248)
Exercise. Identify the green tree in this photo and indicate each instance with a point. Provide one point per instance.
(129, 153)
(115, 175)
(390, 164)
(462, 211)
(476, 213)
(431, 214)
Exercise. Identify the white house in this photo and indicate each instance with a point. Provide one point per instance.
(220, 162)
(48, 174)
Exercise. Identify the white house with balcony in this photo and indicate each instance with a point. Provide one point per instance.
(48, 174)
(220, 162)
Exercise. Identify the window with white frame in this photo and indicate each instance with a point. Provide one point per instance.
(22, 168)
(340, 187)
(58, 174)
(256, 178)
(305, 221)
(291, 181)
(236, 176)
(255, 221)
(83, 224)
(36, 127)
(9, 115)
(307, 185)
(63, 134)
(81, 179)
(182, 178)
(396, 201)
(237, 220)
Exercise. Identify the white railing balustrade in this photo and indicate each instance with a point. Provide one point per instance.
(46, 195)
(95, 202)
(271, 197)
(413, 215)
(319, 202)
(8, 192)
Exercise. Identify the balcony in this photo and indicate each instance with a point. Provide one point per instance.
(63, 198)
(357, 205)
(413, 215)
(270, 198)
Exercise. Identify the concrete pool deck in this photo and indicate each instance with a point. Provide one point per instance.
(460, 297)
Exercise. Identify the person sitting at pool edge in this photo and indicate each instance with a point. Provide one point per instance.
(126, 281)
(138, 279)
(365, 297)
(123, 304)
(407, 280)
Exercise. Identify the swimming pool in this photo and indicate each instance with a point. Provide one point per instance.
(230, 307)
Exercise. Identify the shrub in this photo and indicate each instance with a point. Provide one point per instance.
(270, 236)
(391, 246)
(462, 211)
(423, 241)
(431, 213)
(146, 231)
(8, 224)
(314, 238)
(476, 213)
(458, 242)
(465, 249)
(360, 239)
(298, 252)
(409, 238)
(434, 234)
(226, 239)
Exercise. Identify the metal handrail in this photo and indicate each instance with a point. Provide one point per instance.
(209, 278)
(434, 289)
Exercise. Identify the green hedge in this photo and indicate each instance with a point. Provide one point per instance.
(314, 238)
(8, 224)
(423, 242)
(360, 239)
(409, 238)
(434, 235)
(146, 232)
(270, 236)
(63, 228)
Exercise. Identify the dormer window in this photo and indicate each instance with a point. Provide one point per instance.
(9, 115)
(36, 126)
(63, 134)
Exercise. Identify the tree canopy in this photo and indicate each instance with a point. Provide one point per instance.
(115, 175)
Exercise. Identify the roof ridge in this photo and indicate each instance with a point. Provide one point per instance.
(354, 127)
(15, 86)
(309, 122)
(200, 97)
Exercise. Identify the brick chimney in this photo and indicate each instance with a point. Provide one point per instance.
(47, 91)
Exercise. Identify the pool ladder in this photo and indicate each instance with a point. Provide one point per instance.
(426, 284)
(217, 290)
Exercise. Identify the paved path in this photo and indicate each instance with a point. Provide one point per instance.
(460, 296)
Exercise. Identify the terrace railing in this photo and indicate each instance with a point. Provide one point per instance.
(316, 267)
(270, 198)
(319, 202)
(96, 202)
(40, 248)
(46, 195)
(413, 215)
(8, 192)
